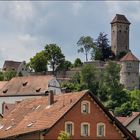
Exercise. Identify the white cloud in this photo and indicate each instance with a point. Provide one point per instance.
(76, 7)
(129, 8)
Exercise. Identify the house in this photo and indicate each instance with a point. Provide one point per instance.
(80, 114)
(19, 67)
(19, 88)
(132, 123)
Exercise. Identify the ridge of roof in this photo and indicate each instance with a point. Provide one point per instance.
(129, 57)
(119, 18)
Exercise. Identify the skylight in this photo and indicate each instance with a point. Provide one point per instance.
(8, 128)
(1, 126)
(38, 107)
(30, 124)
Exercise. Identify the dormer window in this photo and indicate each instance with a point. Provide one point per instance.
(85, 107)
(100, 130)
(25, 83)
(69, 128)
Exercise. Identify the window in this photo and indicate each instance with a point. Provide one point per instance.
(85, 129)
(85, 107)
(100, 129)
(139, 121)
(69, 128)
(134, 132)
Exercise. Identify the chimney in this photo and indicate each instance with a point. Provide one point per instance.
(50, 98)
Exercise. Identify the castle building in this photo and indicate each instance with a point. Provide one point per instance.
(120, 34)
(129, 74)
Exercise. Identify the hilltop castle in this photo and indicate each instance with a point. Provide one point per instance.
(129, 75)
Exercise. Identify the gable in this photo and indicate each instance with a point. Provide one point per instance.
(96, 116)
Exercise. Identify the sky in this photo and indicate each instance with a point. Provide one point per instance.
(27, 26)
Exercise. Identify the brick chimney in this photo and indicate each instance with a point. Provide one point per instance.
(50, 98)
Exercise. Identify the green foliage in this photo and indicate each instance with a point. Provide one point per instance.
(102, 51)
(88, 76)
(64, 66)
(63, 136)
(8, 75)
(1, 76)
(120, 55)
(54, 56)
(78, 62)
(87, 43)
(124, 109)
(39, 62)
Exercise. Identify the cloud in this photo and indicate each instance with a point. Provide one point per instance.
(76, 7)
(26, 27)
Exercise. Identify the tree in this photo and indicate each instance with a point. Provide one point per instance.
(63, 136)
(88, 77)
(1, 76)
(78, 62)
(54, 56)
(103, 50)
(87, 43)
(110, 90)
(64, 66)
(8, 75)
(39, 62)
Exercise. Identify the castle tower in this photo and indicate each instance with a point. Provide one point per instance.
(129, 74)
(120, 34)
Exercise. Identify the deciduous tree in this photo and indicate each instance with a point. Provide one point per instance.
(86, 44)
(54, 56)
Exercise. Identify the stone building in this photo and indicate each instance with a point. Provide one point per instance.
(120, 34)
(129, 74)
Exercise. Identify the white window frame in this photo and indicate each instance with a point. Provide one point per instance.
(69, 122)
(82, 107)
(98, 125)
(88, 124)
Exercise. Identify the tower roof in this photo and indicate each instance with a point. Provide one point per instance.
(129, 57)
(120, 19)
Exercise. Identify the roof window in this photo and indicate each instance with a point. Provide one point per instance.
(4, 91)
(38, 107)
(1, 126)
(30, 124)
(37, 90)
(25, 83)
(8, 128)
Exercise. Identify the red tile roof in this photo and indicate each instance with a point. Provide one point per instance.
(33, 115)
(120, 19)
(2, 84)
(38, 112)
(26, 85)
(129, 57)
(127, 120)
